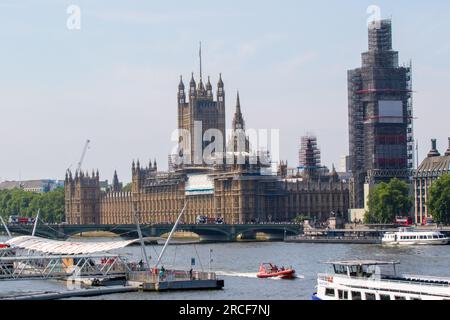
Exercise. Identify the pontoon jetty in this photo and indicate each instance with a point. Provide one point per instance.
(92, 266)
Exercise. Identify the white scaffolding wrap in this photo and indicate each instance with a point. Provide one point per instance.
(66, 247)
(199, 184)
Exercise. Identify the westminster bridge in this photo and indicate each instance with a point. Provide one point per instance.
(206, 232)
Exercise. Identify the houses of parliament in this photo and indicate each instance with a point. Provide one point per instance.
(237, 191)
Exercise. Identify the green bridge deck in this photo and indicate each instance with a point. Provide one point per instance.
(206, 232)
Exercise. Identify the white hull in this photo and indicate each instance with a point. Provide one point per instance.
(365, 289)
(411, 237)
(431, 242)
(366, 280)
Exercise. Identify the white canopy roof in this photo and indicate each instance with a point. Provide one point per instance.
(66, 247)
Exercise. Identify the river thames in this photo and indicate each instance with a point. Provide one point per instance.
(237, 264)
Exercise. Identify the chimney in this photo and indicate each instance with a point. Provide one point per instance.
(447, 153)
(433, 152)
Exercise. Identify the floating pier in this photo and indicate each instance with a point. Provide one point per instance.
(174, 280)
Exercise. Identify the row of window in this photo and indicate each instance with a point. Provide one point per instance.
(422, 237)
(357, 295)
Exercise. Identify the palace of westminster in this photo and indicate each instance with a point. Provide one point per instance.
(238, 192)
(381, 145)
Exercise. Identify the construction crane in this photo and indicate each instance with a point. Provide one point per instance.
(86, 146)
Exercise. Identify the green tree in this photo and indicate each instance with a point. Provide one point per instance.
(388, 200)
(127, 187)
(300, 219)
(26, 204)
(439, 200)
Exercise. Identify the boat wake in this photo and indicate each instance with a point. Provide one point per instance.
(236, 274)
(249, 275)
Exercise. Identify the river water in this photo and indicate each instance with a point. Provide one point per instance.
(237, 264)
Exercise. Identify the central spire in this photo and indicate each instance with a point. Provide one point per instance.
(238, 119)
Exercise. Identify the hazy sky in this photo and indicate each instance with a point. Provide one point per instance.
(115, 80)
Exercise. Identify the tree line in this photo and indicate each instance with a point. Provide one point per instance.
(389, 200)
(17, 202)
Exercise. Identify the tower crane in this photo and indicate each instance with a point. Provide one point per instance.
(83, 154)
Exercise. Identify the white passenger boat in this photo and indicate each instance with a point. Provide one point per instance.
(367, 280)
(409, 236)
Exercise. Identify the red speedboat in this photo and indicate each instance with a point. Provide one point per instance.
(269, 270)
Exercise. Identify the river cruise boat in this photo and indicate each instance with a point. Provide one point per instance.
(409, 236)
(369, 280)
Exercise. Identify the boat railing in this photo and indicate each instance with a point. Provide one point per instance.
(384, 278)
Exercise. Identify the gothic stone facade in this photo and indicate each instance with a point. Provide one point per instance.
(239, 193)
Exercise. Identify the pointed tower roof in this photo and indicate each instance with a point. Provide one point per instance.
(201, 87)
(208, 84)
(333, 174)
(447, 153)
(333, 170)
(238, 119)
(115, 179)
(433, 152)
(181, 85)
(220, 83)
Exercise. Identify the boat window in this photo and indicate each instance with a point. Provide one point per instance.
(370, 296)
(415, 298)
(435, 237)
(385, 297)
(340, 269)
(329, 292)
(356, 271)
(343, 295)
(356, 295)
(400, 298)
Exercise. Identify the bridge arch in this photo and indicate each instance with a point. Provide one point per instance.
(207, 233)
(273, 233)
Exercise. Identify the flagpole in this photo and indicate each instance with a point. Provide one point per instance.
(200, 56)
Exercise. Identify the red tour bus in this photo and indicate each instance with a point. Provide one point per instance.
(426, 221)
(404, 221)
